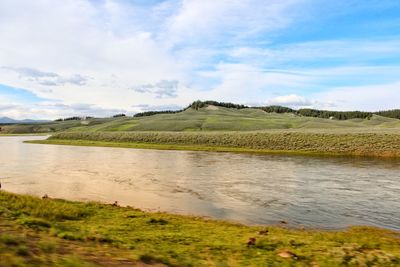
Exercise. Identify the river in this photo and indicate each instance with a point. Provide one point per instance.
(314, 192)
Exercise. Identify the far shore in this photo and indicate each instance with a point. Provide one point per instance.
(370, 144)
(25, 134)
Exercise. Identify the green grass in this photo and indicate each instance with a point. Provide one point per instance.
(48, 127)
(225, 119)
(206, 119)
(176, 147)
(63, 233)
(224, 129)
(375, 144)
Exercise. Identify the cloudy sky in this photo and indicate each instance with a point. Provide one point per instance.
(102, 57)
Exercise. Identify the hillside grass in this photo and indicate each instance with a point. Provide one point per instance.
(48, 127)
(374, 144)
(43, 232)
(226, 119)
(205, 119)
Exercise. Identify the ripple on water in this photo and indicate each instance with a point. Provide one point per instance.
(315, 192)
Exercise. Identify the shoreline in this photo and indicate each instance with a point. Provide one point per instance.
(185, 147)
(25, 134)
(176, 240)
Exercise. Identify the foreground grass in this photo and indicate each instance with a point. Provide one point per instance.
(375, 144)
(57, 232)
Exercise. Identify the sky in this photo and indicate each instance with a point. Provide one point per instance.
(103, 57)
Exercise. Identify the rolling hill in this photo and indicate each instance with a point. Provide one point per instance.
(210, 118)
(7, 120)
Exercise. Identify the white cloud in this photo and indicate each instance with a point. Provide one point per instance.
(53, 48)
(94, 53)
(290, 101)
(368, 98)
(54, 110)
(146, 107)
(46, 78)
(196, 20)
(364, 98)
(351, 51)
(73, 40)
(244, 83)
(161, 89)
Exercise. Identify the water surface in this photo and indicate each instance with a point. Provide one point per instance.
(256, 189)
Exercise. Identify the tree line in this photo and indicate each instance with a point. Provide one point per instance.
(151, 113)
(306, 112)
(393, 113)
(346, 115)
(338, 115)
(201, 104)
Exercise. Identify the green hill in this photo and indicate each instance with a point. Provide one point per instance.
(214, 118)
(48, 127)
(210, 118)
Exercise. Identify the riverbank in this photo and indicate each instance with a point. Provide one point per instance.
(328, 143)
(25, 134)
(36, 231)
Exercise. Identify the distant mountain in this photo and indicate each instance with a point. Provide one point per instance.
(12, 121)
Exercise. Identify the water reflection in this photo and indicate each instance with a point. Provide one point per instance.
(314, 192)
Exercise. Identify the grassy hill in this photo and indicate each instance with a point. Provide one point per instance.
(48, 127)
(209, 118)
(241, 130)
(225, 119)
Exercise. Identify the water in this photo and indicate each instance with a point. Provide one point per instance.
(328, 193)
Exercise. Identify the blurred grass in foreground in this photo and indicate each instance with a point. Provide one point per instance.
(49, 232)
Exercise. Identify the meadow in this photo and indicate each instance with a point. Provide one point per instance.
(36, 231)
(47, 127)
(327, 142)
(206, 119)
(228, 119)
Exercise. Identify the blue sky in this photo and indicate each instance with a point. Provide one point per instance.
(100, 57)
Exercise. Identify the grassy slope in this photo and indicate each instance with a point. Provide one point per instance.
(48, 127)
(45, 232)
(224, 119)
(221, 119)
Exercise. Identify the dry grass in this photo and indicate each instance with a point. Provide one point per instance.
(383, 144)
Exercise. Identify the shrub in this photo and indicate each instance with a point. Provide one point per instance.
(346, 143)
